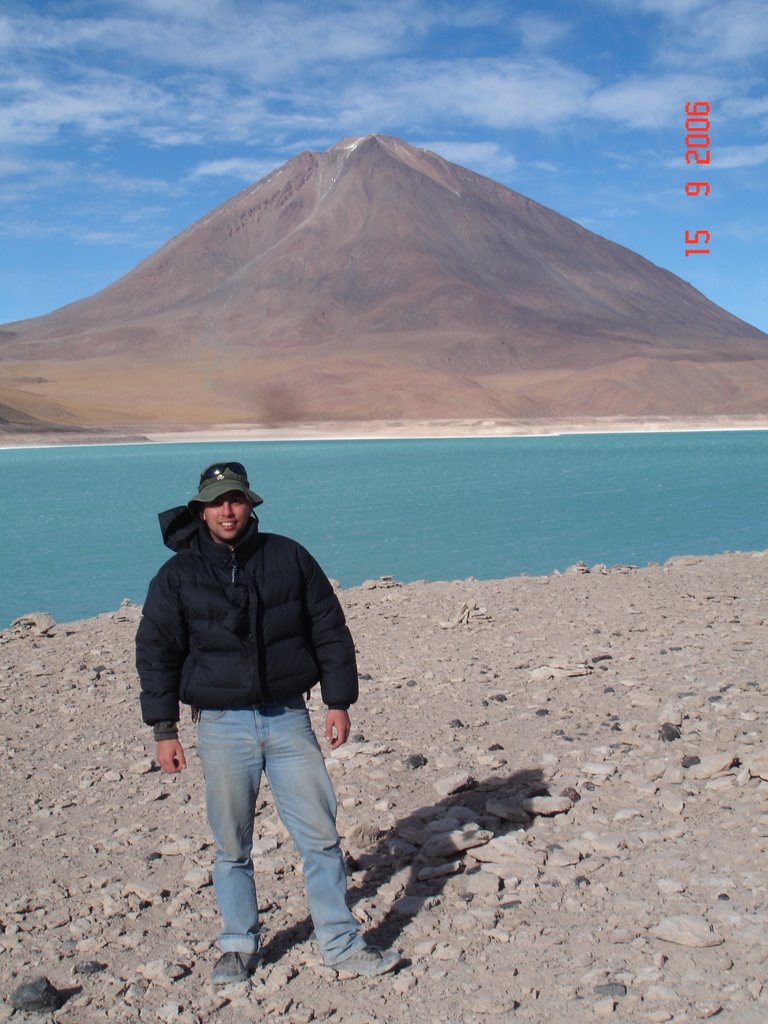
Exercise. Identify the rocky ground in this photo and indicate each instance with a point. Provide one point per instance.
(554, 803)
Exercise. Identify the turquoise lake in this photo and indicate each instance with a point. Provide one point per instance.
(80, 529)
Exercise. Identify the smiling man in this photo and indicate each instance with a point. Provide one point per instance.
(241, 624)
(226, 517)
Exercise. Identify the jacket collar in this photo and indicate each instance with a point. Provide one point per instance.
(182, 530)
(240, 552)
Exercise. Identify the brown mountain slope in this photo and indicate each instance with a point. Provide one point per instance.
(376, 280)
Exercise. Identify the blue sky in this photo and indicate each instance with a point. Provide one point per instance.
(121, 123)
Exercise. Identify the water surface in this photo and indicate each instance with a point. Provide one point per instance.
(80, 529)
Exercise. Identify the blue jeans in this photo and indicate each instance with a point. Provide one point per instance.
(234, 748)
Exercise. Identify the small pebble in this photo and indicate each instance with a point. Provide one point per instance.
(414, 761)
(669, 732)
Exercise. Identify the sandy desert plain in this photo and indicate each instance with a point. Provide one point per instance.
(554, 803)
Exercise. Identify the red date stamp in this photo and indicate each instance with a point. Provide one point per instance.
(697, 151)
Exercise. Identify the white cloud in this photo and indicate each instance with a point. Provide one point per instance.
(493, 93)
(746, 106)
(234, 72)
(243, 168)
(731, 157)
(653, 101)
(672, 7)
(199, 10)
(543, 165)
(7, 32)
(257, 41)
(484, 157)
(196, 72)
(24, 178)
(730, 30)
(126, 184)
(11, 166)
(36, 109)
(701, 33)
(105, 237)
(538, 31)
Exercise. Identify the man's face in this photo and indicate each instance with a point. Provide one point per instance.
(227, 516)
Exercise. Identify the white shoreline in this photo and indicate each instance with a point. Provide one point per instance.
(386, 431)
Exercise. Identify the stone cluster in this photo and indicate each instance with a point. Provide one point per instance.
(554, 802)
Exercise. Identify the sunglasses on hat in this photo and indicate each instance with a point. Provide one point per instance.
(220, 468)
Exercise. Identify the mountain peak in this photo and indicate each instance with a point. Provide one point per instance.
(378, 280)
(351, 143)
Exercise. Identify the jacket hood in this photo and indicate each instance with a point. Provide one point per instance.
(183, 530)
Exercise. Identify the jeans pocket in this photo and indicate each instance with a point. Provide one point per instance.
(211, 714)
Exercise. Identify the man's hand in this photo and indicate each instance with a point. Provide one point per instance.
(337, 726)
(169, 754)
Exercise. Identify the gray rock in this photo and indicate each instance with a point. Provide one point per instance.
(33, 624)
(507, 810)
(447, 844)
(454, 783)
(610, 988)
(89, 967)
(684, 930)
(414, 761)
(442, 870)
(36, 995)
(547, 806)
(669, 732)
(757, 765)
(711, 766)
(409, 906)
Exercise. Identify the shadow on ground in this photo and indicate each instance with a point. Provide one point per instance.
(393, 860)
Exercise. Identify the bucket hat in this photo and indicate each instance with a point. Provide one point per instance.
(220, 478)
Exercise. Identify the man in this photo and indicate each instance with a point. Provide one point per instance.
(240, 625)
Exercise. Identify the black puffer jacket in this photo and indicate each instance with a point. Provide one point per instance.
(232, 629)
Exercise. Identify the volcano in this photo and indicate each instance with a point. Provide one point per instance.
(376, 280)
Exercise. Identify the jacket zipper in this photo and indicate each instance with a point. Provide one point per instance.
(253, 652)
